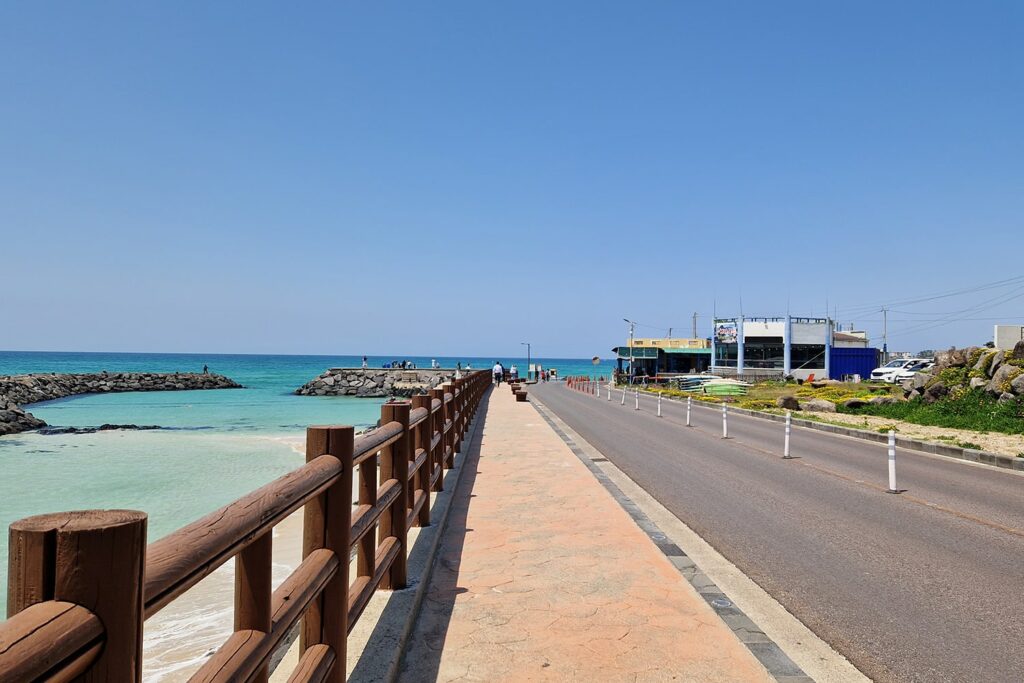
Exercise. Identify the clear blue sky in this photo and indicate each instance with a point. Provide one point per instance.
(457, 177)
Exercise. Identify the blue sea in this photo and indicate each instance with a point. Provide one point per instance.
(213, 446)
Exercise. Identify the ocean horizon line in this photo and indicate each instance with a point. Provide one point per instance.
(301, 355)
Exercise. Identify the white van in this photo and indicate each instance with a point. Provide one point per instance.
(888, 372)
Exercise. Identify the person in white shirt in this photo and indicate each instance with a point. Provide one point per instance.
(498, 371)
(513, 372)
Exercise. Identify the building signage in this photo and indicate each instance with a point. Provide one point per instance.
(725, 332)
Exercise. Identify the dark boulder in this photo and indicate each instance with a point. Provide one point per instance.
(933, 392)
(788, 402)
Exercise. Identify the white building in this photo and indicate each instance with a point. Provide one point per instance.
(789, 346)
(1007, 336)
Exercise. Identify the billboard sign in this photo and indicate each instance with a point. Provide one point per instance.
(725, 332)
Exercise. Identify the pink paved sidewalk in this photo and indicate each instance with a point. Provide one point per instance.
(541, 575)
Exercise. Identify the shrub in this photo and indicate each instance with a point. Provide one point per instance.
(952, 377)
(757, 404)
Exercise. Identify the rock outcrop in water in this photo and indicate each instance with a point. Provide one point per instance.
(20, 390)
(374, 383)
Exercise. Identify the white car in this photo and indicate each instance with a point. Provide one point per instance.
(909, 372)
(888, 372)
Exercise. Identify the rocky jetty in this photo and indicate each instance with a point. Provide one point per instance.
(374, 383)
(20, 390)
(957, 371)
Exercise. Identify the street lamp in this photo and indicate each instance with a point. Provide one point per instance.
(632, 370)
(527, 345)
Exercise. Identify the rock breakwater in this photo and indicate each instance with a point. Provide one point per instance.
(20, 390)
(374, 383)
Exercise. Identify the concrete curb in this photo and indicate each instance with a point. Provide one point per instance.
(381, 641)
(984, 457)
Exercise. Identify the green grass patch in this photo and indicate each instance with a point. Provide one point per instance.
(975, 410)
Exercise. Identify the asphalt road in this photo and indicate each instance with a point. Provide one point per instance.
(927, 585)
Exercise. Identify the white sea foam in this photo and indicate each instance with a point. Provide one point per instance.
(185, 633)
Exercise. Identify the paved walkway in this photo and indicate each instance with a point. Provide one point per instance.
(543, 576)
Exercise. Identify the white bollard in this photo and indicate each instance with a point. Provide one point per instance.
(892, 462)
(636, 397)
(725, 421)
(689, 404)
(609, 388)
(789, 427)
(659, 404)
(623, 401)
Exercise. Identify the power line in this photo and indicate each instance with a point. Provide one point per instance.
(923, 326)
(864, 308)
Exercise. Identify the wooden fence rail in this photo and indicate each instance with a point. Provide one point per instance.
(82, 584)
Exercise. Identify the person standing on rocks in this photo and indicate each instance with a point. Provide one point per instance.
(206, 369)
(364, 362)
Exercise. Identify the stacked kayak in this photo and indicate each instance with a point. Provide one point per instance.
(712, 384)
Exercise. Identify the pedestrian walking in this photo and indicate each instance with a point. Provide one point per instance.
(498, 372)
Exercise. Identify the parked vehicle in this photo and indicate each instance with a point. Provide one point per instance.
(909, 372)
(888, 372)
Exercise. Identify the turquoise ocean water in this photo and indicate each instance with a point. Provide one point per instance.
(217, 445)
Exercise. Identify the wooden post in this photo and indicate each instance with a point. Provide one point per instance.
(424, 434)
(252, 591)
(457, 410)
(448, 455)
(395, 465)
(328, 524)
(437, 457)
(96, 559)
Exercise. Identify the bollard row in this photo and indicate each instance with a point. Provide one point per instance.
(82, 584)
(586, 385)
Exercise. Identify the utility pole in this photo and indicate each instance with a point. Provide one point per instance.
(694, 325)
(632, 370)
(885, 335)
(527, 345)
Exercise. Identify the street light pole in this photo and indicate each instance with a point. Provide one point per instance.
(632, 370)
(527, 345)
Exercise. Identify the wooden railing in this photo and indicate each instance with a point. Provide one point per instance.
(81, 584)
